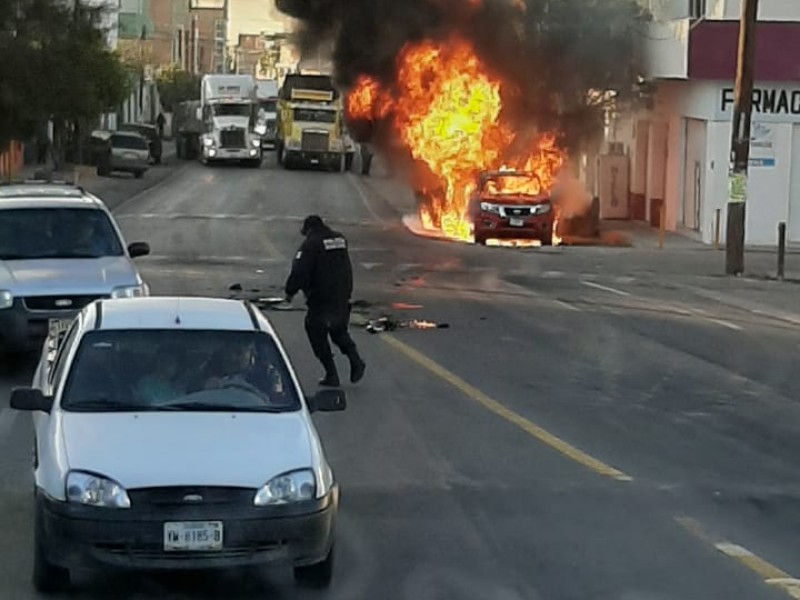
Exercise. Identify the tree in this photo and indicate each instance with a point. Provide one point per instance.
(56, 66)
(176, 86)
(18, 116)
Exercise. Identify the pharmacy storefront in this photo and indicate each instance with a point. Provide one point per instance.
(696, 118)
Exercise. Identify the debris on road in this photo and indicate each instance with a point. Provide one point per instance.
(390, 324)
(404, 306)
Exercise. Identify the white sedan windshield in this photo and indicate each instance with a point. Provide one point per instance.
(152, 370)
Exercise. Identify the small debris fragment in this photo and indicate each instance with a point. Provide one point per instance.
(404, 306)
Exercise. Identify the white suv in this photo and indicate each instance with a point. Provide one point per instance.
(60, 249)
(171, 433)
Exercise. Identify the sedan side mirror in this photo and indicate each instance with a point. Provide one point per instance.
(31, 399)
(327, 401)
(137, 249)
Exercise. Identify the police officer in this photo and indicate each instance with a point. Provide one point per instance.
(322, 270)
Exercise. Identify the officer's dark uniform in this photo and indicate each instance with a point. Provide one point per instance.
(322, 270)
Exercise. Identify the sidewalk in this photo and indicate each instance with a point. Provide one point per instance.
(117, 188)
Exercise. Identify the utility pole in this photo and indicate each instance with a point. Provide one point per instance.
(225, 19)
(740, 140)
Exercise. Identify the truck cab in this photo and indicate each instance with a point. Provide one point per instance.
(267, 113)
(310, 123)
(228, 114)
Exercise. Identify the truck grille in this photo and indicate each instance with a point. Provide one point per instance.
(232, 138)
(518, 211)
(56, 303)
(315, 141)
(177, 496)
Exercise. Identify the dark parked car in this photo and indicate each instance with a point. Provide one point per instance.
(150, 133)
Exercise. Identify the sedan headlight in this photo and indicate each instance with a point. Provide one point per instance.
(260, 129)
(6, 299)
(489, 207)
(296, 486)
(95, 490)
(130, 291)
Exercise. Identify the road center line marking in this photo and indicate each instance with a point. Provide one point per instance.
(502, 411)
(597, 286)
(771, 574)
(727, 324)
(567, 305)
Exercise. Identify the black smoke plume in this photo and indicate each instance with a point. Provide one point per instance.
(549, 53)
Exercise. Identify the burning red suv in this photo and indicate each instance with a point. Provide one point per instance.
(511, 205)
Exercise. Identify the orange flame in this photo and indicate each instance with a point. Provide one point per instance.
(447, 109)
(366, 100)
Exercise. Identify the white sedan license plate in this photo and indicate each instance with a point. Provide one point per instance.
(131, 155)
(193, 536)
(517, 222)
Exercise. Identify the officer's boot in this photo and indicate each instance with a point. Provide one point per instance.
(357, 366)
(331, 378)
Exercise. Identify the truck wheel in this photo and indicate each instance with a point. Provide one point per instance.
(138, 174)
(348, 161)
(317, 576)
(47, 577)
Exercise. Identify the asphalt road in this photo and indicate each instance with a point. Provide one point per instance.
(567, 437)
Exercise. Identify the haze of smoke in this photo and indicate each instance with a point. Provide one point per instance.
(548, 53)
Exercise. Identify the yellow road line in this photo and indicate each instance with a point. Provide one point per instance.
(771, 574)
(509, 415)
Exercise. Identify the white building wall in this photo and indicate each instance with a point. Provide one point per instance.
(793, 226)
(702, 110)
(768, 10)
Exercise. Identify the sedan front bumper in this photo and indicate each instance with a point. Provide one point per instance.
(24, 330)
(77, 536)
(490, 225)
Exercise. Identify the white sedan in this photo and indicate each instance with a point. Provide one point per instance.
(172, 433)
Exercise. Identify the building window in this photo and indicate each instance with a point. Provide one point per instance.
(697, 9)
